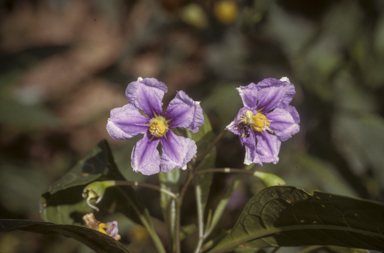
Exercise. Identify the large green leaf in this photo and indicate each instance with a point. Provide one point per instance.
(99, 242)
(288, 216)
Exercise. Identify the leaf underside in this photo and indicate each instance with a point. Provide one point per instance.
(99, 242)
(287, 216)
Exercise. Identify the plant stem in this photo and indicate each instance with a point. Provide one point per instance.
(145, 218)
(150, 186)
(225, 170)
(222, 204)
(179, 201)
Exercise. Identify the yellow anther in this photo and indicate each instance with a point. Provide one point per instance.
(102, 227)
(158, 126)
(260, 123)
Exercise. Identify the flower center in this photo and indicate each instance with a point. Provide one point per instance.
(258, 122)
(158, 126)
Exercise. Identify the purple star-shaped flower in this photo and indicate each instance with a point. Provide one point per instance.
(125, 122)
(266, 119)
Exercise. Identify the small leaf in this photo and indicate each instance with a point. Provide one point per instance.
(97, 241)
(269, 179)
(287, 216)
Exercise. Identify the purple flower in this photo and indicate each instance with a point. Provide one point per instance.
(145, 95)
(266, 119)
(109, 228)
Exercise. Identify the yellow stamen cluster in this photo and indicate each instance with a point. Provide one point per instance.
(102, 227)
(258, 121)
(158, 126)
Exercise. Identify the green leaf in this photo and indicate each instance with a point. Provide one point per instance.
(287, 216)
(63, 203)
(96, 163)
(96, 240)
(269, 179)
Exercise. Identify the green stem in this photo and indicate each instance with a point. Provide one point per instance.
(145, 220)
(200, 219)
(179, 201)
(225, 170)
(156, 240)
(220, 209)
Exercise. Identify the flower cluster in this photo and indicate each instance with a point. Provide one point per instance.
(266, 119)
(144, 115)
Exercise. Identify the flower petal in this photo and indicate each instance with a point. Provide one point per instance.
(273, 93)
(268, 147)
(126, 122)
(283, 123)
(185, 113)
(146, 94)
(251, 155)
(113, 229)
(248, 95)
(145, 157)
(292, 110)
(177, 151)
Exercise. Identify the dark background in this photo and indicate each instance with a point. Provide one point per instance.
(64, 64)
